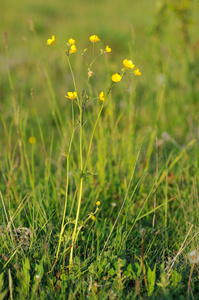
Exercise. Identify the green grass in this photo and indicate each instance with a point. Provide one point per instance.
(144, 153)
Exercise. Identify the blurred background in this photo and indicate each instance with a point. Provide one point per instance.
(161, 37)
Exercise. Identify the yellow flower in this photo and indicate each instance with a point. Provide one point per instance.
(93, 217)
(128, 64)
(71, 41)
(137, 72)
(51, 41)
(98, 203)
(73, 49)
(108, 49)
(116, 77)
(94, 38)
(102, 96)
(71, 95)
(32, 140)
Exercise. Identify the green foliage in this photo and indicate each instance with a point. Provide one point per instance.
(3, 292)
(176, 279)
(157, 113)
(151, 277)
(133, 271)
(24, 282)
(39, 272)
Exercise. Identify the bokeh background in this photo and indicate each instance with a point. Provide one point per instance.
(161, 37)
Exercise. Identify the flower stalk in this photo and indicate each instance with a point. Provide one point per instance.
(81, 99)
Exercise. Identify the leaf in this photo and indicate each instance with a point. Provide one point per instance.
(1, 282)
(2, 293)
(63, 277)
(151, 277)
(130, 268)
(25, 279)
(39, 271)
(111, 272)
(138, 269)
(175, 278)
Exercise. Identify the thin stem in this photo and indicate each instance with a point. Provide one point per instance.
(189, 282)
(93, 50)
(95, 59)
(143, 266)
(92, 135)
(7, 59)
(156, 183)
(65, 207)
(66, 193)
(73, 77)
(32, 166)
(27, 161)
(76, 221)
(80, 188)
(132, 175)
(81, 138)
(78, 210)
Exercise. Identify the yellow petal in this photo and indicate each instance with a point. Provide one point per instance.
(116, 77)
(94, 38)
(73, 49)
(71, 41)
(137, 72)
(108, 49)
(51, 41)
(128, 64)
(102, 96)
(71, 95)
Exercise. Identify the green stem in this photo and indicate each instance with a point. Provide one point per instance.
(92, 135)
(7, 59)
(80, 188)
(66, 194)
(76, 221)
(26, 157)
(32, 166)
(73, 77)
(65, 207)
(95, 59)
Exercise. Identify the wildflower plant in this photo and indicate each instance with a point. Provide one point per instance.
(80, 98)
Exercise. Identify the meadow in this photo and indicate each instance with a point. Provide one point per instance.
(99, 173)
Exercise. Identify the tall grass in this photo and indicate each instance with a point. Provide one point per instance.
(143, 156)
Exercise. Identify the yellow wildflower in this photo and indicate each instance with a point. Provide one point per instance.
(51, 41)
(94, 38)
(93, 217)
(71, 41)
(128, 64)
(98, 203)
(108, 49)
(116, 77)
(73, 49)
(137, 72)
(71, 95)
(32, 140)
(102, 96)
